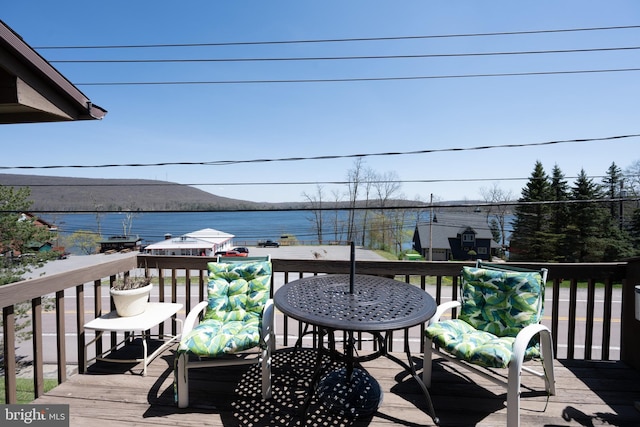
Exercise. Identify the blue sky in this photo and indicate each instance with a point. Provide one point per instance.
(212, 122)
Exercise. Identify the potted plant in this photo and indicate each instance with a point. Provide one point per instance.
(131, 294)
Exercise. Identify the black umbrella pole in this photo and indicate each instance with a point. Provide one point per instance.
(352, 276)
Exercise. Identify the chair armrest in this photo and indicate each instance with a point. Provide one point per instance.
(193, 317)
(443, 308)
(525, 335)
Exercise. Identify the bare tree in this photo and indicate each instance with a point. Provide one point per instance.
(368, 179)
(632, 179)
(386, 187)
(131, 212)
(354, 178)
(127, 222)
(315, 202)
(498, 209)
(398, 220)
(98, 212)
(337, 224)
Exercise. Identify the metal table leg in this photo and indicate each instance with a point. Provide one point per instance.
(410, 366)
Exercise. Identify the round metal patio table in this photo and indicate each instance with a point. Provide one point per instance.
(378, 306)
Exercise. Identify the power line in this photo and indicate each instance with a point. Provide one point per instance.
(328, 157)
(343, 40)
(339, 58)
(357, 79)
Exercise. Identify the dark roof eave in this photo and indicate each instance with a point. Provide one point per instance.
(95, 112)
(13, 43)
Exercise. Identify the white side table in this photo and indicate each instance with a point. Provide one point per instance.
(156, 313)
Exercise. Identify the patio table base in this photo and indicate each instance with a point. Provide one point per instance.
(356, 396)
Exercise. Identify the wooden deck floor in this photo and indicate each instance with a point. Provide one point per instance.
(588, 394)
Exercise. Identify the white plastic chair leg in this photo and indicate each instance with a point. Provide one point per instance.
(547, 361)
(513, 393)
(266, 373)
(426, 362)
(182, 381)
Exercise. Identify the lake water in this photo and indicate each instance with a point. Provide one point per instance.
(247, 227)
(152, 227)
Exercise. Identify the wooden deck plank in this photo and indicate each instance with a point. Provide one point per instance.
(588, 393)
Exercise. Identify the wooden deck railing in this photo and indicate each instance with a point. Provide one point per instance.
(598, 281)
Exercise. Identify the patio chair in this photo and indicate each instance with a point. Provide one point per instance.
(498, 327)
(237, 325)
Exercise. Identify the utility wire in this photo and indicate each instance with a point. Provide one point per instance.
(356, 79)
(328, 157)
(343, 40)
(338, 58)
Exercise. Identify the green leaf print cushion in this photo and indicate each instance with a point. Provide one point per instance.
(496, 306)
(501, 302)
(237, 293)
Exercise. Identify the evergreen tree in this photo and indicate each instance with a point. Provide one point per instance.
(530, 238)
(611, 185)
(634, 230)
(617, 243)
(494, 226)
(578, 225)
(587, 219)
(559, 213)
(618, 239)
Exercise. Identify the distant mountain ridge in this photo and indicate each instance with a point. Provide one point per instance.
(52, 193)
(67, 194)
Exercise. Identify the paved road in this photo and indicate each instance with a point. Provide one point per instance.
(74, 262)
(325, 252)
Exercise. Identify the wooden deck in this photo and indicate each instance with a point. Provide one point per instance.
(588, 394)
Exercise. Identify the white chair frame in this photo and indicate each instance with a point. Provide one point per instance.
(262, 356)
(516, 364)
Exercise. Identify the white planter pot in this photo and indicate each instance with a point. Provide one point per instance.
(131, 302)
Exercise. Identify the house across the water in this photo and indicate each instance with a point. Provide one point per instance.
(456, 236)
(205, 242)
